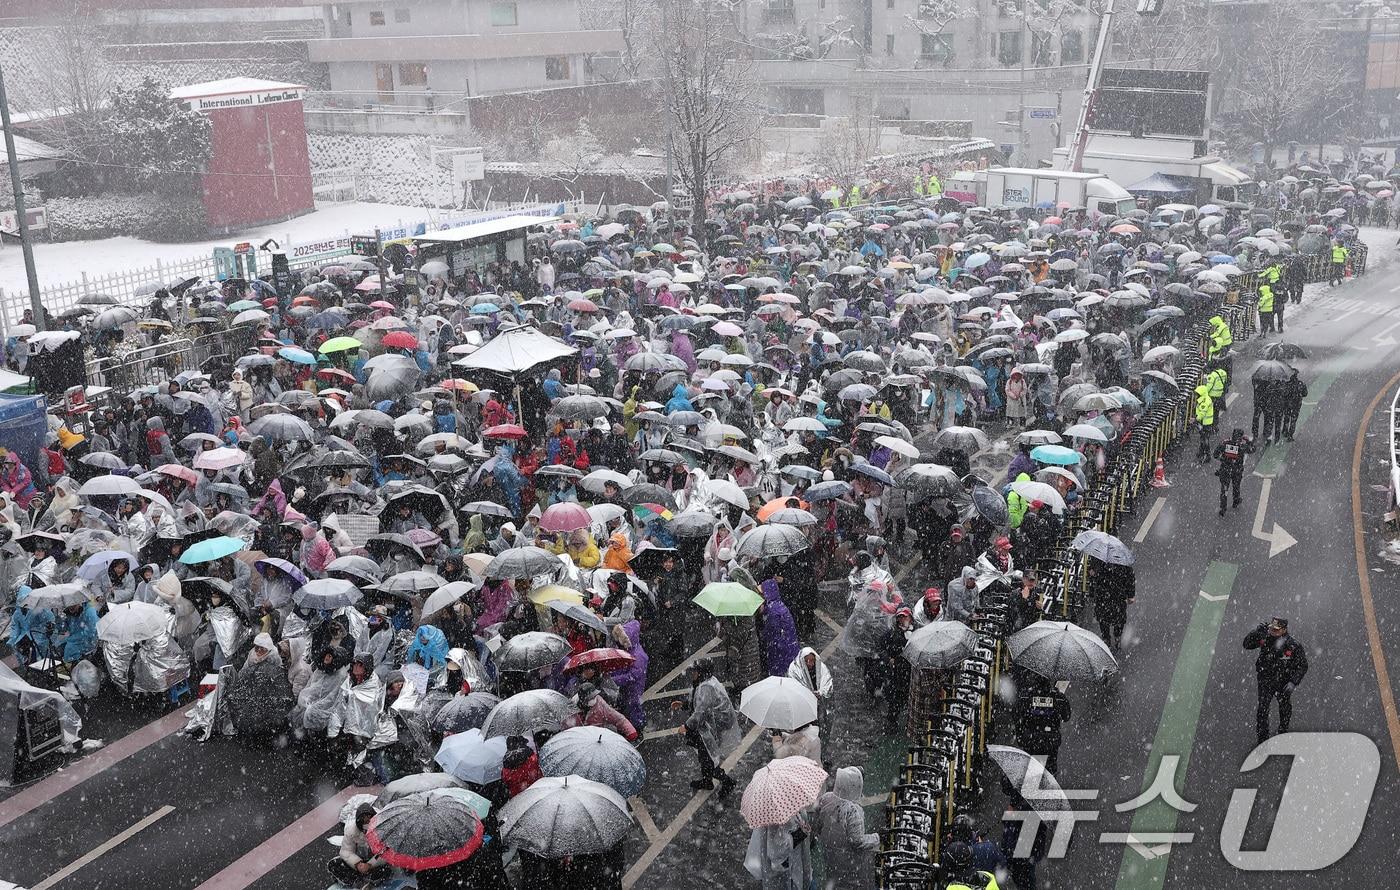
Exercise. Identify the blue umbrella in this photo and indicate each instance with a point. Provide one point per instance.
(329, 320)
(212, 549)
(485, 309)
(472, 758)
(977, 260)
(1222, 258)
(300, 356)
(241, 305)
(281, 565)
(1056, 454)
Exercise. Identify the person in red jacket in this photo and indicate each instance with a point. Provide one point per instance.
(521, 767)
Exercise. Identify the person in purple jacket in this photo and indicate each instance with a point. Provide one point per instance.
(776, 629)
(631, 680)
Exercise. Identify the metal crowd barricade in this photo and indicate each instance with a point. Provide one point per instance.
(147, 366)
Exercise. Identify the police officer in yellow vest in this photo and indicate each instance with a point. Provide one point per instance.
(853, 197)
(1220, 337)
(1217, 381)
(1205, 417)
(1267, 308)
(935, 186)
(1340, 255)
(957, 865)
(918, 185)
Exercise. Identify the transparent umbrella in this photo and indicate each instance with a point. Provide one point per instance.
(527, 712)
(565, 816)
(599, 755)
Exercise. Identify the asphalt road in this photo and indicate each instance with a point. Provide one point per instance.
(168, 812)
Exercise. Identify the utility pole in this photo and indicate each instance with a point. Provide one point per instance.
(22, 223)
(379, 259)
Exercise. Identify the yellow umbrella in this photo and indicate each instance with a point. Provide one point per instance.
(550, 592)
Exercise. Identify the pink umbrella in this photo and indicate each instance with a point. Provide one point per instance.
(728, 329)
(176, 471)
(219, 459)
(781, 790)
(565, 517)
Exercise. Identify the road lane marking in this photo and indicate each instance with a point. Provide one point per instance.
(103, 848)
(692, 806)
(659, 685)
(1231, 398)
(1176, 732)
(639, 809)
(1152, 515)
(80, 771)
(1271, 462)
(1279, 540)
(262, 859)
(1368, 604)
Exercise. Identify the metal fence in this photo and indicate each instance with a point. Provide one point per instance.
(156, 364)
(940, 768)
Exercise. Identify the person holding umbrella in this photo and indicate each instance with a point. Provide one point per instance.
(356, 865)
(594, 711)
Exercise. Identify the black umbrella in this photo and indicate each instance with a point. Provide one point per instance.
(648, 493)
(463, 712)
(425, 832)
(990, 505)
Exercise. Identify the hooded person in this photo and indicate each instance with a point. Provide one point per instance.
(17, 481)
(593, 710)
(776, 629)
(315, 552)
(960, 597)
(31, 630)
(619, 553)
(356, 865)
(809, 670)
(261, 695)
(929, 608)
(738, 635)
(158, 450)
(711, 728)
(356, 715)
(631, 680)
(871, 617)
(847, 848)
(429, 649)
(65, 498)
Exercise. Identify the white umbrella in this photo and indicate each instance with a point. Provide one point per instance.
(898, 446)
(1086, 431)
(1039, 491)
(779, 703)
(109, 485)
(128, 623)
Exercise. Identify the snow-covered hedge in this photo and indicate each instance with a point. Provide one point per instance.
(142, 216)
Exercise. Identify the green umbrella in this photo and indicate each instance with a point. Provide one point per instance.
(212, 549)
(726, 599)
(340, 344)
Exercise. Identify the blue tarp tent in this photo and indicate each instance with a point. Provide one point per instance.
(23, 423)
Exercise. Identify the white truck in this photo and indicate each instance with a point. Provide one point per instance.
(1019, 187)
(1158, 162)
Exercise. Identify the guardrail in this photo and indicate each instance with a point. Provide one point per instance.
(942, 766)
(156, 364)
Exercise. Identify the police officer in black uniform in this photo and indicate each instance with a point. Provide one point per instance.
(1231, 454)
(1280, 668)
(1040, 710)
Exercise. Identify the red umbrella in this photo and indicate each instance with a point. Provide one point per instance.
(579, 304)
(399, 340)
(336, 374)
(604, 660)
(504, 431)
(565, 517)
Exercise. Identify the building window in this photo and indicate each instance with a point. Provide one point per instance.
(889, 44)
(376, 17)
(889, 4)
(401, 16)
(504, 15)
(801, 101)
(937, 48)
(347, 16)
(556, 68)
(1009, 47)
(413, 74)
(821, 4)
(779, 12)
(1071, 47)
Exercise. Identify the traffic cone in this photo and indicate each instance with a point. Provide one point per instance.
(1159, 475)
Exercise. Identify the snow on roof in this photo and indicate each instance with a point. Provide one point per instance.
(484, 229)
(230, 86)
(27, 149)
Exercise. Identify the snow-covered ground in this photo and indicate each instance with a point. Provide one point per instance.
(67, 262)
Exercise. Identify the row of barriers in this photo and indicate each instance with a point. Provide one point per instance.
(155, 364)
(941, 768)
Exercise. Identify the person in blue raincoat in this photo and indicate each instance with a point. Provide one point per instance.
(429, 648)
(76, 632)
(553, 387)
(508, 476)
(680, 400)
(30, 629)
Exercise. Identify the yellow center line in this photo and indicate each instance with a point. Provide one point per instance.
(1368, 605)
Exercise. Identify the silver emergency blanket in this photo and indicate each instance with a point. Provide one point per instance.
(230, 633)
(318, 700)
(150, 667)
(357, 712)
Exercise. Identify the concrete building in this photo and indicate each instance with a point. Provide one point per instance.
(1017, 80)
(436, 54)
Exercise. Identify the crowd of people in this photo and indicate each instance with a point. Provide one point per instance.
(440, 535)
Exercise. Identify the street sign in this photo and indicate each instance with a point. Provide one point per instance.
(1042, 114)
(469, 165)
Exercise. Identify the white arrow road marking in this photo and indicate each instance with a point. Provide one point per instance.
(1384, 338)
(1161, 841)
(1214, 598)
(1279, 540)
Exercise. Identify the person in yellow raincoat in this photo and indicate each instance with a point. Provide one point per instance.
(583, 551)
(619, 553)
